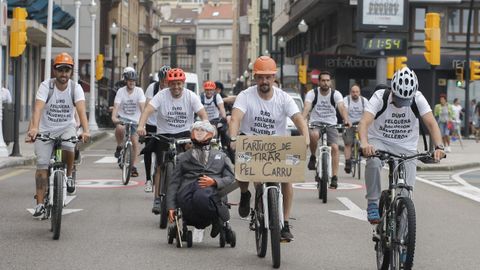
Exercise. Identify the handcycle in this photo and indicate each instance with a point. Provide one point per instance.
(324, 159)
(125, 161)
(356, 158)
(56, 194)
(395, 234)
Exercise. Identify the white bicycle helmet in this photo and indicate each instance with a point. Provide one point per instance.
(129, 73)
(404, 83)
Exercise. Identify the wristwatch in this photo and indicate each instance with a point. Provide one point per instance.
(233, 139)
(440, 147)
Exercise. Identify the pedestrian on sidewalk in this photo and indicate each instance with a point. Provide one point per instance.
(443, 112)
(457, 119)
(6, 96)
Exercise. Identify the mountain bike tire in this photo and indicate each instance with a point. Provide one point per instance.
(261, 233)
(166, 174)
(274, 224)
(405, 233)
(324, 178)
(127, 164)
(57, 207)
(381, 249)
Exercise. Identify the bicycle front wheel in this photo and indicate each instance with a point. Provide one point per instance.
(404, 244)
(324, 179)
(274, 224)
(261, 236)
(57, 207)
(163, 194)
(127, 164)
(381, 246)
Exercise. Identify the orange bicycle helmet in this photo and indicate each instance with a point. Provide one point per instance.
(209, 85)
(264, 65)
(63, 59)
(176, 74)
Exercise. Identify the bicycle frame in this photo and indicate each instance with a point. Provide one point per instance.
(56, 164)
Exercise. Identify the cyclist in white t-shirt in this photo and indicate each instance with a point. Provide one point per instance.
(151, 125)
(320, 105)
(394, 128)
(264, 103)
(55, 105)
(175, 108)
(355, 105)
(128, 106)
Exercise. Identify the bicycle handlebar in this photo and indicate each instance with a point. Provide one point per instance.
(324, 125)
(385, 155)
(46, 137)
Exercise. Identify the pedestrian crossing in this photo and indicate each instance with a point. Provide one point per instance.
(441, 179)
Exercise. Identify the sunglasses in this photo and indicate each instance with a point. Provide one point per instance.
(63, 69)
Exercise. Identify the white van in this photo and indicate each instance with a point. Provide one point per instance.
(191, 82)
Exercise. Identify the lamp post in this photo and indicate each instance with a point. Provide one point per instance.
(250, 68)
(127, 51)
(281, 44)
(303, 28)
(78, 3)
(113, 33)
(245, 76)
(92, 123)
(134, 62)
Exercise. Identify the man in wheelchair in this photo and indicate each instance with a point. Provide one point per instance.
(197, 181)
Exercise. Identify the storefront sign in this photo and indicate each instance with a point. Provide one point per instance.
(330, 62)
(385, 15)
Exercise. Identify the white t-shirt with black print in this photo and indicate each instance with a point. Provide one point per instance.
(323, 111)
(129, 106)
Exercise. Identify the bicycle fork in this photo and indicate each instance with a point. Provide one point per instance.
(265, 205)
(321, 150)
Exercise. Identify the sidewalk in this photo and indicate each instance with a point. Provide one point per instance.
(27, 151)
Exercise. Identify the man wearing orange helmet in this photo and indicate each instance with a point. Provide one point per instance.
(175, 107)
(55, 105)
(268, 106)
(212, 102)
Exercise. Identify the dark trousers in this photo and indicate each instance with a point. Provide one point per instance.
(147, 151)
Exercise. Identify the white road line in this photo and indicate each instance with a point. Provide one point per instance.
(12, 174)
(462, 188)
(353, 210)
(110, 160)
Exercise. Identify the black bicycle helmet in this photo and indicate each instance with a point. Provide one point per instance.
(162, 73)
(129, 73)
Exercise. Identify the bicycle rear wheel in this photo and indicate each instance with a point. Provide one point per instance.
(381, 248)
(166, 174)
(359, 162)
(153, 165)
(324, 178)
(274, 224)
(57, 207)
(404, 244)
(261, 236)
(127, 164)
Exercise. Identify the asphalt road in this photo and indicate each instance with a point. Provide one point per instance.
(115, 228)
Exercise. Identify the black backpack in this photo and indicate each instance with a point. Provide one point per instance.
(332, 99)
(202, 99)
(414, 108)
(156, 87)
(51, 86)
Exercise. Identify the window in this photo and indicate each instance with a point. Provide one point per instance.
(419, 24)
(221, 33)
(206, 33)
(457, 25)
(206, 55)
(165, 41)
(206, 75)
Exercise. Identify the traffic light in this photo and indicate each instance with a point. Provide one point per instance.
(432, 38)
(400, 62)
(459, 76)
(390, 67)
(18, 32)
(302, 74)
(474, 70)
(99, 67)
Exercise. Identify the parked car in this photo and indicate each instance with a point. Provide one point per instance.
(290, 125)
(191, 82)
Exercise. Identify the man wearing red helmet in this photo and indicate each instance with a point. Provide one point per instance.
(55, 105)
(175, 107)
(265, 104)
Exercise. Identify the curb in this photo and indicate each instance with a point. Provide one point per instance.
(31, 160)
(449, 167)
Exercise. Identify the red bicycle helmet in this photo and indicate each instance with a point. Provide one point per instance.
(176, 74)
(209, 85)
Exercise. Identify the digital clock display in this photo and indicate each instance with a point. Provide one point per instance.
(379, 43)
(382, 44)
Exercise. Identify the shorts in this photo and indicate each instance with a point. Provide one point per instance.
(160, 147)
(133, 130)
(443, 129)
(332, 134)
(349, 136)
(43, 150)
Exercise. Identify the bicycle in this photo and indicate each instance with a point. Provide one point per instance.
(268, 215)
(324, 159)
(356, 158)
(395, 234)
(126, 154)
(57, 183)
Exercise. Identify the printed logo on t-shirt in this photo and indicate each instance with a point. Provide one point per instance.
(324, 108)
(264, 124)
(176, 117)
(397, 127)
(129, 107)
(59, 111)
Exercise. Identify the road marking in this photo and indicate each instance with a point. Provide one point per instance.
(11, 174)
(197, 236)
(65, 211)
(313, 186)
(109, 160)
(353, 210)
(106, 183)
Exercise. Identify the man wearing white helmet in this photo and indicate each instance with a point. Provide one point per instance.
(393, 126)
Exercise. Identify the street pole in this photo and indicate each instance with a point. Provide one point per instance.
(92, 123)
(16, 118)
(381, 70)
(48, 53)
(467, 74)
(281, 66)
(3, 146)
(110, 95)
(433, 70)
(78, 3)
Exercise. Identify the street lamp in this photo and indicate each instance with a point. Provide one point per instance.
(250, 68)
(78, 3)
(113, 33)
(303, 28)
(281, 44)
(92, 123)
(135, 61)
(127, 51)
(246, 75)
(266, 53)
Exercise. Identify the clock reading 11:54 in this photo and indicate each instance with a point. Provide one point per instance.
(383, 43)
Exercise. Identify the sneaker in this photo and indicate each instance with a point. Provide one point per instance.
(216, 226)
(285, 234)
(334, 182)
(156, 206)
(244, 206)
(373, 215)
(312, 163)
(39, 210)
(134, 172)
(117, 151)
(447, 149)
(70, 185)
(148, 186)
(348, 166)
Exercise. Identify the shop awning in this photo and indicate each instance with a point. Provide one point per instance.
(37, 10)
